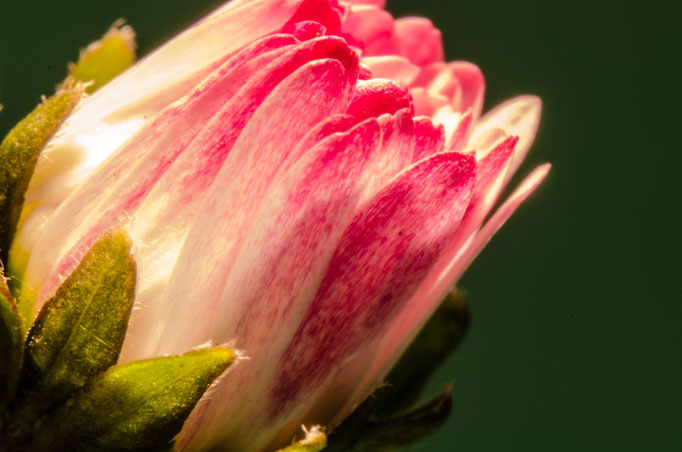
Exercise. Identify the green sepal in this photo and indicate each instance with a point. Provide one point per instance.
(139, 406)
(79, 332)
(441, 335)
(104, 59)
(11, 345)
(315, 440)
(19, 153)
(397, 433)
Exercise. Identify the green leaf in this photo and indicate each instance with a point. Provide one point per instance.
(80, 331)
(315, 440)
(11, 345)
(437, 340)
(103, 60)
(398, 433)
(18, 155)
(139, 406)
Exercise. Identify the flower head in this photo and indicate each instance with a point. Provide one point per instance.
(305, 177)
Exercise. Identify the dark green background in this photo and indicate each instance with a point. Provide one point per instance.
(576, 342)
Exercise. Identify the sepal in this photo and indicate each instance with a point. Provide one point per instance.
(139, 406)
(315, 440)
(104, 59)
(79, 332)
(398, 433)
(11, 346)
(19, 152)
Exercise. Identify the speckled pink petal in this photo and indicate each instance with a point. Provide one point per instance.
(376, 97)
(491, 170)
(302, 100)
(385, 352)
(325, 12)
(420, 41)
(277, 273)
(383, 256)
(429, 138)
(397, 148)
(119, 186)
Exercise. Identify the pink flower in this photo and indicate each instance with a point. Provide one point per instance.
(305, 177)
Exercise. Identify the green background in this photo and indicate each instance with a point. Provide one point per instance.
(575, 343)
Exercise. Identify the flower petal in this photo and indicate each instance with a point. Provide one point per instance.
(107, 119)
(519, 116)
(446, 272)
(121, 184)
(392, 67)
(420, 41)
(370, 29)
(111, 197)
(275, 277)
(429, 138)
(379, 96)
(303, 99)
(472, 87)
(397, 146)
(381, 259)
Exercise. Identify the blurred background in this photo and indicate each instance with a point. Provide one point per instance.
(576, 340)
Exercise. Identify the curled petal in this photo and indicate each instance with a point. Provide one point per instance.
(376, 97)
(519, 116)
(472, 87)
(392, 67)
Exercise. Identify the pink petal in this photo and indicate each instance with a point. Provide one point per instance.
(325, 12)
(420, 41)
(461, 83)
(429, 138)
(265, 146)
(186, 60)
(118, 187)
(428, 73)
(379, 3)
(457, 127)
(519, 116)
(491, 170)
(381, 259)
(472, 86)
(305, 30)
(370, 29)
(426, 104)
(392, 67)
(274, 280)
(444, 274)
(376, 97)
(397, 147)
